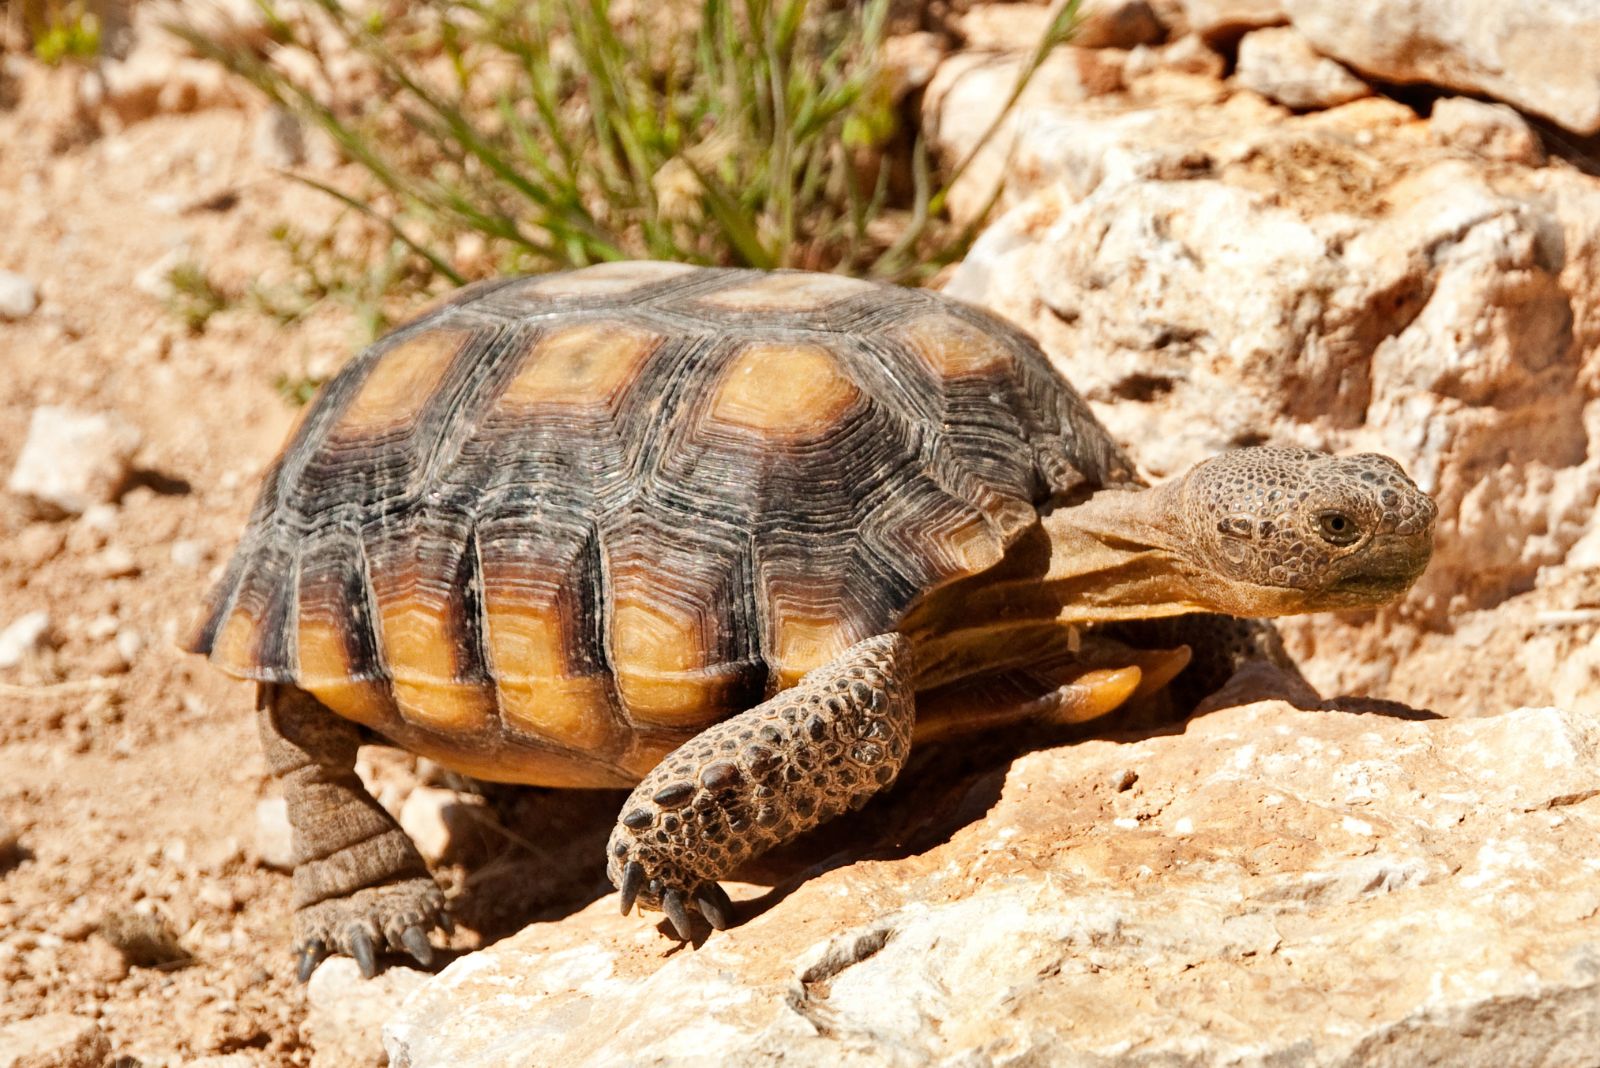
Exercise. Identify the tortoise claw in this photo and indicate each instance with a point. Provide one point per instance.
(672, 904)
(713, 903)
(632, 883)
(311, 955)
(362, 950)
(416, 943)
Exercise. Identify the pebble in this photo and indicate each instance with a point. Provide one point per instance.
(55, 1040)
(188, 553)
(438, 822)
(274, 842)
(18, 296)
(115, 562)
(26, 635)
(72, 460)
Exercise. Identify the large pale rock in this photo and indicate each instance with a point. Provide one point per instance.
(72, 460)
(345, 1013)
(1541, 55)
(1279, 64)
(1213, 274)
(1214, 19)
(1267, 887)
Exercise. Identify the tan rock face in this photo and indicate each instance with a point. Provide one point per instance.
(1541, 55)
(1278, 63)
(1216, 271)
(1325, 887)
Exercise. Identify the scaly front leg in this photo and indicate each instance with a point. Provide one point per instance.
(754, 781)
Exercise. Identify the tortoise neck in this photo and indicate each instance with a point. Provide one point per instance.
(1115, 556)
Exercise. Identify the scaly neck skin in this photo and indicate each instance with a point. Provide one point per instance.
(1113, 557)
(1110, 558)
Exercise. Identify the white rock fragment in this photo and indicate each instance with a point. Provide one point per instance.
(1280, 65)
(274, 840)
(25, 635)
(436, 821)
(1541, 55)
(345, 1013)
(18, 296)
(188, 553)
(1493, 131)
(72, 460)
(55, 1040)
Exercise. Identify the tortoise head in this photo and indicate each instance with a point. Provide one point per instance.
(1275, 531)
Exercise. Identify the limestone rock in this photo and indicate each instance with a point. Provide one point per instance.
(345, 1013)
(56, 1040)
(1269, 886)
(1277, 63)
(24, 635)
(18, 296)
(1221, 19)
(274, 839)
(440, 823)
(1540, 55)
(1020, 27)
(1383, 292)
(72, 460)
(1493, 131)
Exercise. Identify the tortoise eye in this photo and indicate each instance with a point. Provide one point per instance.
(1337, 528)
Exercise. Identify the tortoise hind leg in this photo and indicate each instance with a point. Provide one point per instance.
(359, 884)
(762, 777)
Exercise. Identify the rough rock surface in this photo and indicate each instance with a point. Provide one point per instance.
(1213, 270)
(1541, 55)
(1278, 63)
(1269, 886)
(345, 1013)
(71, 460)
(1214, 19)
(56, 1040)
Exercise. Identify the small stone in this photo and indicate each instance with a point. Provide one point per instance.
(274, 841)
(72, 460)
(26, 635)
(56, 1040)
(1281, 66)
(279, 140)
(439, 822)
(145, 939)
(1218, 20)
(155, 280)
(18, 296)
(218, 897)
(38, 544)
(115, 562)
(104, 961)
(188, 553)
(345, 1013)
(129, 643)
(1491, 131)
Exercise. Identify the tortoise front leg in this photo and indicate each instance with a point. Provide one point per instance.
(762, 777)
(359, 884)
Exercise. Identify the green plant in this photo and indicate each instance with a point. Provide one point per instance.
(750, 132)
(61, 30)
(193, 297)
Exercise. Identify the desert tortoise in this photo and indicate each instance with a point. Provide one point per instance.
(736, 537)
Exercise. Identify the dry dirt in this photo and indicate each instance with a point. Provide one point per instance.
(132, 782)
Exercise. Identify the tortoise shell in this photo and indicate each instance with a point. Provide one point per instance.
(557, 525)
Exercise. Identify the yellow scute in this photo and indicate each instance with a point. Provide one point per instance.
(584, 364)
(792, 390)
(403, 380)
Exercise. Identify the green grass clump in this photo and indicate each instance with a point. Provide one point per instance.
(61, 31)
(562, 133)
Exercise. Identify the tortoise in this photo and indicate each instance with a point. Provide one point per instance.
(736, 539)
